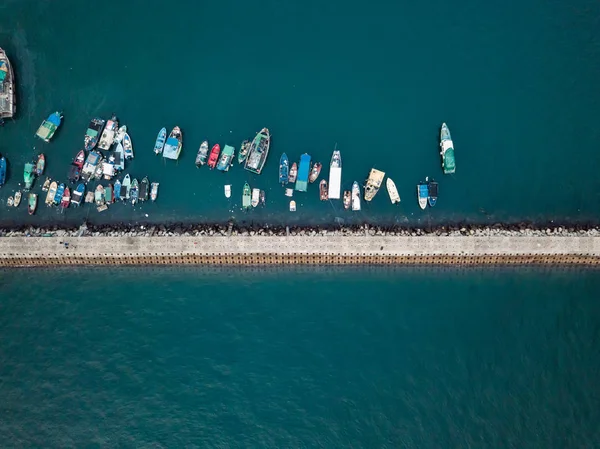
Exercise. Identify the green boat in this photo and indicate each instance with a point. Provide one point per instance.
(28, 175)
(247, 197)
(226, 158)
(447, 150)
(49, 126)
(243, 151)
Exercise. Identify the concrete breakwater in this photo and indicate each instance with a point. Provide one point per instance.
(226, 245)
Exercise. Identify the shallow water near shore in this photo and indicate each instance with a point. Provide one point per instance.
(292, 358)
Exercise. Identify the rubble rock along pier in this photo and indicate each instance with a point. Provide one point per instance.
(329, 249)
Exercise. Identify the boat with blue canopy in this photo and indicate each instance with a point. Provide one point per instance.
(284, 165)
(303, 173)
(49, 126)
(160, 141)
(173, 144)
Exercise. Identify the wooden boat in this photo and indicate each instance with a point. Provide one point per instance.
(355, 196)
(293, 173)
(120, 134)
(392, 191)
(226, 158)
(258, 152)
(284, 168)
(32, 203)
(89, 197)
(49, 126)
(17, 200)
(10, 201)
(66, 199)
(108, 135)
(59, 194)
(93, 133)
(323, 190)
(135, 191)
(127, 147)
(51, 193)
(244, 151)
(99, 195)
(154, 191)
(202, 155)
(214, 156)
(46, 185)
(40, 165)
(159, 145)
(79, 159)
(347, 199)
(8, 89)
(315, 172)
(246, 197)
(78, 193)
(144, 189)
(292, 206)
(173, 145)
(373, 183)
(255, 197)
(228, 191)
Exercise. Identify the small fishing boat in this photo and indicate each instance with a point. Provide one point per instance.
(79, 159)
(10, 201)
(2, 170)
(347, 199)
(119, 155)
(66, 199)
(120, 134)
(117, 190)
(159, 145)
(125, 187)
(59, 194)
(99, 171)
(214, 156)
(51, 193)
(108, 194)
(32, 203)
(324, 195)
(74, 173)
(40, 165)
(244, 151)
(335, 175)
(154, 191)
(144, 189)
(255, 197)
(134, 192)
(78, 194)
(28, 175)
(202, 155)
(93, 133)
(432, 196)
(293, 173)
(303, 173)
(292, 206)
(258, 152)
(289, 192)
(228, 191)
(226, 158)
(373, 183)
(92, 161)
(263, 199)
(89, 197)
(17, 200)
(355, 196)
(108, 168)
(46, 185)
(422, 194)
(315, 172)
(447, 150)
(49, 126)
(127, 147)
(284, 166)
(99, 195)
(108, 135)
(246, 197)
(392, 191)
(173, 145)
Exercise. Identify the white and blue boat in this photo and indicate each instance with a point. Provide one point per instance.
(2, 170)
(447, 150)
(117, 189)
(284, 166)
(127, 147)
(422, 194)
(303, 173)
(160, 141)
(78, 194)
(59, 194)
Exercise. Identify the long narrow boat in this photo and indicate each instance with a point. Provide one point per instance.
(51, 193)
(59, 194)
(2, 170)
(120, 134)
(347, 199)
(66, 199)
(315, 172)
(49, 126)
(173, 144)
(246, 197)
(40, 165)
(214, 156)
(119, 155)
(293, 173)
(108, 135)
(243, 154)
(32, 203)
(323, 194)
(258, 152)
(28, 175)
(135, 192)
(392, 191)
(227, 190)
(46, 184)
(447, 150)
(432, 196)
(422, 194)
(154, 191)
(255, 197)
(108, 194)
(126, 186)
(99, 195)
(117, 190)
(226, 158)
(92, 134)
(8, 100)
(79, 159)
(373, 183)
(159, 145)
(127, 147)
(74, 173)
(303, 172)
(18, 196)
(202, 155)
(144, 189)
(284, 165)
(335, 175)
(78, 194)
(355, 196)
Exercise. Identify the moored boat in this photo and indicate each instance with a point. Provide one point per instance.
(32, 203)
(243, 154)
(108, 135)
(125, 187)
(17, 199)
(49, 126)
(258, 152)
(92, 134)
(226, 158)
(355, 196)
(134, 192)
(289, 192)
(120, 134)
(127, 147)
(255, 197)
(40, 165)
(202, 155)
(347, 199)
(46, 185)
(99, 171)
(422, 194)
(293, 173)
(373, 183)
(78, 193)
(173, 145)
(99, 195)
(335, 175)
(2, 170)
(119, 155)
(263, 199)
(447, 150)
(8, 100)
(214, 156)
(144, 189)
(66, 198)
(432, 188)
(292, 206)
(108, 194)
(74, 173)
(10, 201)
(323, 194)
(246, 197)
(51, 193)
(303, 173)
(28, 175)
(159, 145)
(79, 159)
(154, 191)
(117, 190)
(228, 191)
(392, 191)
(59, 194)
(315, 171)
(108, 168)
(91, 164)
(284, 165)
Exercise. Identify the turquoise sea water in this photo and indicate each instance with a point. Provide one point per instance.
(327, 358)
(516, 82)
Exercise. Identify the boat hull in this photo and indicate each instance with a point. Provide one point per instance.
(259, 151)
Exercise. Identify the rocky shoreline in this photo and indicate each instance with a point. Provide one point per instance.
(124, 230)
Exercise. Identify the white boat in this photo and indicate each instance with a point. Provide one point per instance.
(108, 135)
(17, 200)
(154, 191)
(392, 191)
(355, 196)
(127, 185)
(128, 147)
(335, 176)
(10, 201)
(119, 154)
(255, 197)
(373, 183)
(292, 206)
(228, 191)
(289, 192)
(120, 134)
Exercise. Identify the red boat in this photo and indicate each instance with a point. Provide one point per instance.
(79, 159)
(66, 199)
(214, 156)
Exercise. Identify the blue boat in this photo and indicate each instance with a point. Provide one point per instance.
(49, 126)
(303, 172)
(2, 171)
(160, 141)
(422, 194)
(432, 188)
(59, 194)
(284, 169)
(117, 189)
(78, 193)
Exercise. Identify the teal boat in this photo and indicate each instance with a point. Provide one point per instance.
(247, 197)
(244, 151)
(258, 152)
(160, 141)
(49, 126)
(284, 165)
(303, 173)
(28, 175)
(134, 193)
(447, 150)
(226, 158)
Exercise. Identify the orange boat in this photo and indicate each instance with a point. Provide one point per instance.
(214, 156)
(323, 190)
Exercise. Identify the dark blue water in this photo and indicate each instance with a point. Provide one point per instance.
(317, 358)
